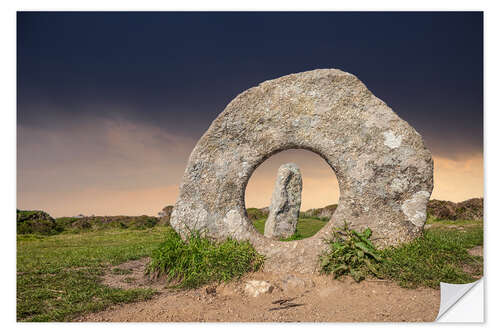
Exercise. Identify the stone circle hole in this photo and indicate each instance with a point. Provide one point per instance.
(320, 190)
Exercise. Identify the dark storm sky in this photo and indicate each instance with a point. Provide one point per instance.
(182, 69)
(177, 72)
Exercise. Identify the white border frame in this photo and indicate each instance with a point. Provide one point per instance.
(8, 135)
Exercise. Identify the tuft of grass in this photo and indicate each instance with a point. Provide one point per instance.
(199, 260)
(440, 255)
(58, 277)
(296, 236)
(350, 253)
(260, 225)
(306, 227)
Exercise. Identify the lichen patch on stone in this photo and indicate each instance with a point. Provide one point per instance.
(415, 208)
(399, 185)
(391, 140)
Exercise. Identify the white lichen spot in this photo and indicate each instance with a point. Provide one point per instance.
(312, 93)
(399, 185)
(392, 141)
(244, 169)
(415, 208)
(233, 223)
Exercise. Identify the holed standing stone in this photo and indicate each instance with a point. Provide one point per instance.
(384, 170)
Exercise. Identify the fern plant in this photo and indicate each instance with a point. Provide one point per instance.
(350, 252)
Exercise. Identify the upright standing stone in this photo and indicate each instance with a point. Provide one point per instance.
(285, 203)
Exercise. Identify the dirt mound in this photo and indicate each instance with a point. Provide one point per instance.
(471, 209)
(294, 298)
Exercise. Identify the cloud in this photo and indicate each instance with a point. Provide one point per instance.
(116, 166)
(458, 179)
(101, 201)
(102, 157)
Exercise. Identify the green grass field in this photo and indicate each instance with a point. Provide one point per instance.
(58, 276)
(439, 256)
(306, 227)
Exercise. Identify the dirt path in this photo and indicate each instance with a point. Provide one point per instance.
(312, 298)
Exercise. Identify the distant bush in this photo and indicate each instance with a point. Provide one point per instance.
(143, 222)
(471, 209)
(39, 222)
(36, 221)
(112, 222)
(323, 214)
(255, 214)
(65, 223)
(165, 215)
(199, 260)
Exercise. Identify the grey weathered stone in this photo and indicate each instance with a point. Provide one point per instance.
(385, 172)
(256, 288)
(285, 203)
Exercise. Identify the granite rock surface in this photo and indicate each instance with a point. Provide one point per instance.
(384, 170)
(285, 203)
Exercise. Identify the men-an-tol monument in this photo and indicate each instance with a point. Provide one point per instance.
(384, 170)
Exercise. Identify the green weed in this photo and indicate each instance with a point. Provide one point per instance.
(350, 252)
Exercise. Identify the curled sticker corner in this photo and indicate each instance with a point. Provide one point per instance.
(451, 294)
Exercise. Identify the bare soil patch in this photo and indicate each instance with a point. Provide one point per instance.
(295, 298)
(476, 251)
(131, 275)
